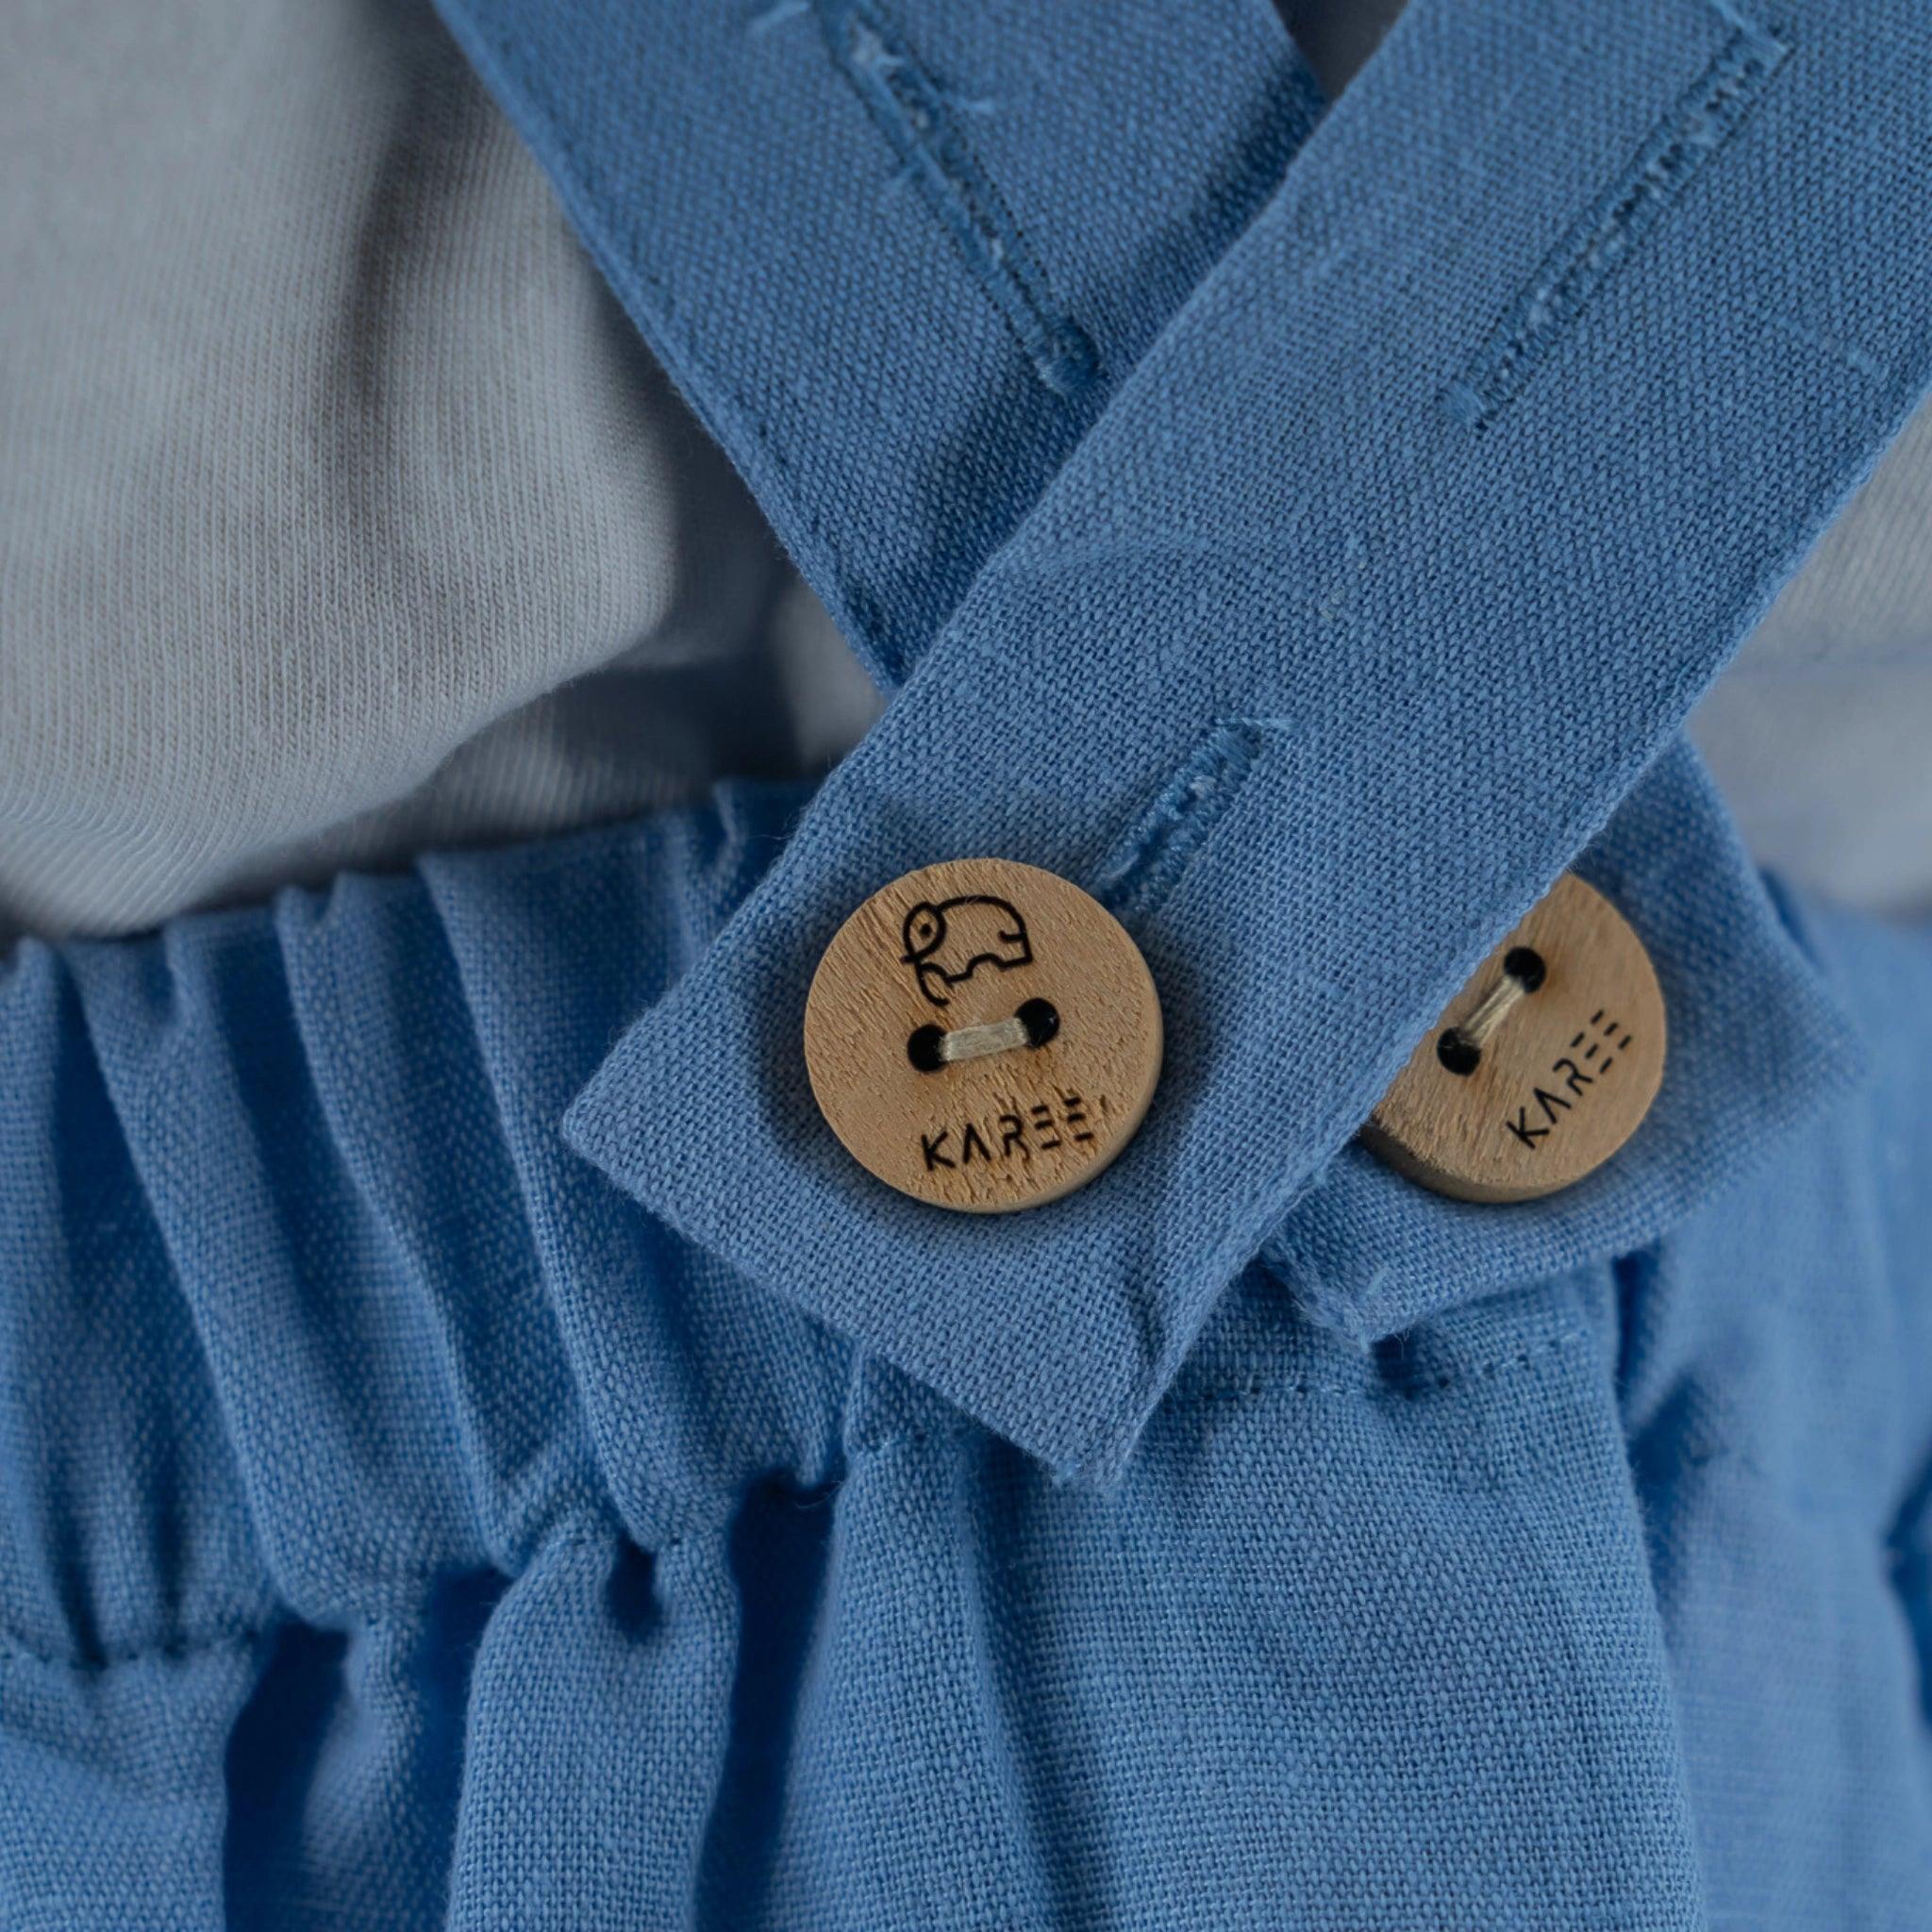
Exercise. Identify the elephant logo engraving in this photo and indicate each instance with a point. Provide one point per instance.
(947, 943)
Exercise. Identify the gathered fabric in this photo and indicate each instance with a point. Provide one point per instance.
(476, 1451)
(399, 1527)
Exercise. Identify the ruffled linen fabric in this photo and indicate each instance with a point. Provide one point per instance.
(400, 1528)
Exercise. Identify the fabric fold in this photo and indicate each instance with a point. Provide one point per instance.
(1447, 492)
(116, 1788)
(305, 1304)
(318, 1350)
(731, 1624)
(1760, 1041)
(564, 1823)
(953, 230)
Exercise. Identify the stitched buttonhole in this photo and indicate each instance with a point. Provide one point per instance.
(922, 121)
(1679, 145)
(1178, 824)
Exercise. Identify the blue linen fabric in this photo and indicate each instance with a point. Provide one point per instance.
(1416, 531)
(399, 1528)
(473, 1452)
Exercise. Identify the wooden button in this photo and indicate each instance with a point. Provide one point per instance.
(1541, 1067)
(983, 1036)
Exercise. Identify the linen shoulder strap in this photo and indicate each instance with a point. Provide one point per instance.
(1312, 573)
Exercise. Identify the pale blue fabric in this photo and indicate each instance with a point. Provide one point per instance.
(474, 1450)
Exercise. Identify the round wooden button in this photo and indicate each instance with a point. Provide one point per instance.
(1541, 1067)
(983, 1036)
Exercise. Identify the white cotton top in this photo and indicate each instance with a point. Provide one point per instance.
(341, 514)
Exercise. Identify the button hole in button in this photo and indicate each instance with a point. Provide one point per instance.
(1460, 1048)
(1042, 1020)
(1524, 965)
(929, 1048)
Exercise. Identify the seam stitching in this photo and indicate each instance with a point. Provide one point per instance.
(1412, 1389)
(364, 1609)
(235, 1637)
(1672, 154)
(916, 116)
(866, 1450)
(241, 1637)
